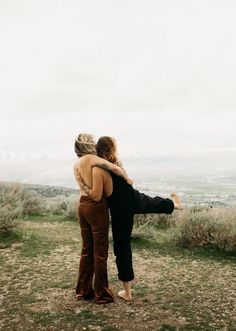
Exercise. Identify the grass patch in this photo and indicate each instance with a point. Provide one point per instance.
(10, 237)
(140, 290)
(28, 299)
(64, 284)
(109, 328)
(167, 327)
(70, 320)
(48, 218)
(34, 245)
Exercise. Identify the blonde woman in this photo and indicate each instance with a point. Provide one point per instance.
(94, 221)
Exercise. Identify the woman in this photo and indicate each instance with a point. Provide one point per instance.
(123, 203)
(94, 222)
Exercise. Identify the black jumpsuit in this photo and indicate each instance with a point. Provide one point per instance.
(124, 203)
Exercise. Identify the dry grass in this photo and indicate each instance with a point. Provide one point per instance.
(174, 289)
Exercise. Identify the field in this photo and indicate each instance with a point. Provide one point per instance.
(174, 289)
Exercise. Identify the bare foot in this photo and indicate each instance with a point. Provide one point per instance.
(124, 296)
(177, 201)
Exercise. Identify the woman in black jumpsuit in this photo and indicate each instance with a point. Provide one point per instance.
(124, 203)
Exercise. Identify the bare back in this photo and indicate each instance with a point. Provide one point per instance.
(85, 165)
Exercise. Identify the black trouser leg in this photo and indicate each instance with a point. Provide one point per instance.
(145, 204)
(122, 225)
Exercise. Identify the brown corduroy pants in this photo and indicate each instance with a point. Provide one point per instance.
(94, 224)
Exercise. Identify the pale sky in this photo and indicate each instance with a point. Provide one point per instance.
(160, 76)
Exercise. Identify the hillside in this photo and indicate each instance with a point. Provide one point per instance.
(46, 190)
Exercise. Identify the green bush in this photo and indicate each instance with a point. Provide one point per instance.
(16, 201)
(10, 207)
(212, 227)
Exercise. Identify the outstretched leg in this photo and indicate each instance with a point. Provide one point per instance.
(145, 204)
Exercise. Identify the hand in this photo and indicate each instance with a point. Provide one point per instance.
(129, 181)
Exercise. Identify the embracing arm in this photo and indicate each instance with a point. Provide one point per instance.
(104, 164)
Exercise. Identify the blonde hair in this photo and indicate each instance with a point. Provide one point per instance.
(85, 144)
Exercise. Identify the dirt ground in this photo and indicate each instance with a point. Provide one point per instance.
(174, 289)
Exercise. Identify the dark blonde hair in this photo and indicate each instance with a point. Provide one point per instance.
(107, 149)
(85, 144)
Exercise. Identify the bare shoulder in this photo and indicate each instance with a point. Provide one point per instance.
(96, 158)
(86, 159)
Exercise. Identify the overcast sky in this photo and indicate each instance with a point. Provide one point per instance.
(160, 76)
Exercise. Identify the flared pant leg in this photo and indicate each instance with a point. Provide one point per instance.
(94, 222)
(84, 288)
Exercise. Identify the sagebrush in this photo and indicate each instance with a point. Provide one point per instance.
(15, 202)
(10, 207)
(214, 227)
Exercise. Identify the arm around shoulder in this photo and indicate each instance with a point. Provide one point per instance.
(104, 164)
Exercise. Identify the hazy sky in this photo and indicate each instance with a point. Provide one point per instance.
(160, 76)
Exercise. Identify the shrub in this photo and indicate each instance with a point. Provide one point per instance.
(32, 203)
(16, 201)
(8, 218)
(61, 205)
(54, 206)
(10, 207)
(155, 219)
(145, 225)
(71, 207)
(214, 227)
